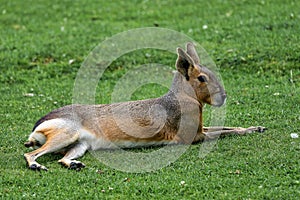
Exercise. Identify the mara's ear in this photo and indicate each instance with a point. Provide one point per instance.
(184, 63)
(190, 49)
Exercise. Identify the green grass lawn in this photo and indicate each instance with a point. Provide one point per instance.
(254, 43)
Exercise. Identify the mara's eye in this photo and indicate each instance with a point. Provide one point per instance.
(202, 78)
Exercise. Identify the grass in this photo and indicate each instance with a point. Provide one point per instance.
(255, 44)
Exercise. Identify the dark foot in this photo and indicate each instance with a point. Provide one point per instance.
(76, 165)
(37, 167)
(259, 129)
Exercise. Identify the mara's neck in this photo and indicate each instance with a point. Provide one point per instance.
(187, 104)
(181, 88)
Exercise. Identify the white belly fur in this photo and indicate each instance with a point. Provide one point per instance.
(97, 143)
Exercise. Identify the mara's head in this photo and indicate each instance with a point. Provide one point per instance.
(205, 84)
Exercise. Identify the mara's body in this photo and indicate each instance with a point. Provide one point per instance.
(108, 126)
(175, 118)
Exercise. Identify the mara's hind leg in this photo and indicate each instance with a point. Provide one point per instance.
(74, 152)
(56, 142)
(214, 132)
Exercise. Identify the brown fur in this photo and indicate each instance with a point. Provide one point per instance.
(175, 118)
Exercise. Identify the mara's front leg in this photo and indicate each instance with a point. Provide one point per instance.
(214, 132)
